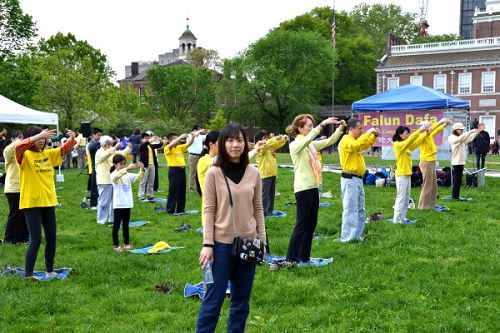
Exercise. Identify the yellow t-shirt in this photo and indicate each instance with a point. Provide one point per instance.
(150, 156)
(36, 175)
(266, 161)
(428, 150)
(351, 149)
(11, 169)
(175, 155)
(402, 151)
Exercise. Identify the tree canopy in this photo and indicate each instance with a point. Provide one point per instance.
(16, 28)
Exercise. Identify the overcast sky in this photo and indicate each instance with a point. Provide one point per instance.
(130, 30)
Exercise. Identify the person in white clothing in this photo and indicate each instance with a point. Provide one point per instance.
(195, 152)
(458, 140)
(123, 200)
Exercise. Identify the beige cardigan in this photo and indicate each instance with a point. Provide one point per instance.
(247, 201)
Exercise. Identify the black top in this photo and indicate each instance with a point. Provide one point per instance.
(236, 172)
(93, 147)
(482, 142)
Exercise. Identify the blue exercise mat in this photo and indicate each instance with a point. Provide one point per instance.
(406, 221)
(278, 213)
(448, 197)
(160, 200)
(313, 262)
(187, 212)
(191, 290)
(61, 273)
(134, 224)
(145, 250)
(325, 204)
(440, 208)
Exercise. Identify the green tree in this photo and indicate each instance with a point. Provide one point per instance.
(201, 57)
(378, 20)
(16, 28)
(182, 92)
(74, 76)
(284, 73)
(19, 81)
(218, 122)
(436, 38)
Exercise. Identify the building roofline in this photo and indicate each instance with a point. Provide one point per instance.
(417, 67)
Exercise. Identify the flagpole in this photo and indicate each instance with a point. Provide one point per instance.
(334, 27)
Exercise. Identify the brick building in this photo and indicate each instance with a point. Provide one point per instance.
(136, 72)
(469, 69)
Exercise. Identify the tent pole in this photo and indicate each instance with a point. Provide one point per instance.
(57, 133)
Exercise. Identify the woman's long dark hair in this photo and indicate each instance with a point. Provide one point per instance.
(231, 131)
(400, 130)
(117, 158)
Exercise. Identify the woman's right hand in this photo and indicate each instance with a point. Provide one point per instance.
(330, 121)
(206, 256)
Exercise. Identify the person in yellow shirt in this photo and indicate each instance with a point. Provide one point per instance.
(403, 144)
(205, 162)
(174, 154)
(38, 191)
(268, 167)
(353, 166)
(428, 157)
(16, 230)
(307, 178)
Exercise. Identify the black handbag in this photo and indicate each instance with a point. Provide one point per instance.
(246, 249)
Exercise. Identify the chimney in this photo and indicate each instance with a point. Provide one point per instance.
(392, 40)
(135, 68)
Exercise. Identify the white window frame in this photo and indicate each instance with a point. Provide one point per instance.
(464, 83)
(418, 78)
(483, 86)
(392, 82)
(436, 77)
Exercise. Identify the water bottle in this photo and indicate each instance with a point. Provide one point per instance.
(208, 277)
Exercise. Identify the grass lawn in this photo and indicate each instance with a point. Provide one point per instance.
(439, 275)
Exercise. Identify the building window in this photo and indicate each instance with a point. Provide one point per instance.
(488, 82)
(141, 91)
(416, 80)
(464, 83)
(392, 82)
(440, 82)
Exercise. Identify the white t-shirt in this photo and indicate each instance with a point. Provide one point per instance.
(197, 145)
(122, 188)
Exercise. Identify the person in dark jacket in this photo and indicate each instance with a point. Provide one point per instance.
(481, 146)
(147, 156)
(135, 138)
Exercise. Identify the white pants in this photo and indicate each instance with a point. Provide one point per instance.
(105, 204)
(147, 183)
(403, 187)
(354, 213)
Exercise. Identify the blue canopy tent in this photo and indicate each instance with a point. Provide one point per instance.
(409, 97)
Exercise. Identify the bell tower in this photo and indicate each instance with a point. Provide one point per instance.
(187, 41)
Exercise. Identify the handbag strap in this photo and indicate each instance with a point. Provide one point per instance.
(230, 199)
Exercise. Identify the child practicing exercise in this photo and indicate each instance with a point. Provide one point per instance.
(123, 200)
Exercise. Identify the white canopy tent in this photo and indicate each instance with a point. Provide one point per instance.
(14, 113)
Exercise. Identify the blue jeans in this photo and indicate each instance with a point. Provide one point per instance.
(353, 214)
(241, 275)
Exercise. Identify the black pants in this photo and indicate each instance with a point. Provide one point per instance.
(456, 181)
(122, 216)
(480, 158)
(156, 185)
(16, 230)
(176, 202)
(37, 218)
(94, 193)
(299, 248)
(268, 191)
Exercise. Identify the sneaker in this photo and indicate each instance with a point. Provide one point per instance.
(151, 199)
(184, 227)
(143, 199)
(128, 247)
(288, 264)
(274, 266)
(93, 208)
(118, 248)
